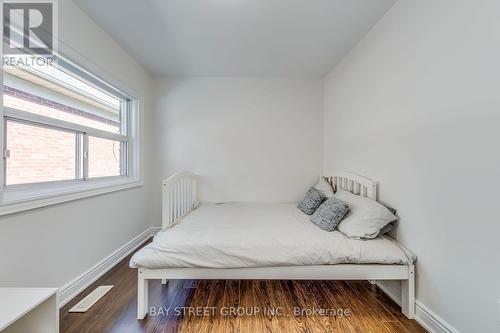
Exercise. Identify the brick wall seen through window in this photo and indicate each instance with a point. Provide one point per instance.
(39, 154)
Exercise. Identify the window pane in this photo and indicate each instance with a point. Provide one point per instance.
(50, 91)
(39, 154)
(104, 157)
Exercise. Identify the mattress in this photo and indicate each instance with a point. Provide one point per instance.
(232, 235)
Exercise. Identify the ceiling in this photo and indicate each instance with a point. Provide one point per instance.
(268, 38)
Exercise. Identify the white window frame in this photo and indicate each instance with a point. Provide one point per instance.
(17, 198)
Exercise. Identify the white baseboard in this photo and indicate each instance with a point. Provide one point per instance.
(77, 285)
(154, 230)
(423, 315)
(431, 321)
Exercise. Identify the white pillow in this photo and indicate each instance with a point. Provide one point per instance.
(324, 187)
(366, 217)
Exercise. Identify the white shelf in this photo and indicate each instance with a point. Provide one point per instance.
(28, 310)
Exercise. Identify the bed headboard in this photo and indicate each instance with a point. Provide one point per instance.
(180, 192)
(353, 183)
(179, 197)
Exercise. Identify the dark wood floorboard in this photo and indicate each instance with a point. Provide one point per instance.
(371, 311)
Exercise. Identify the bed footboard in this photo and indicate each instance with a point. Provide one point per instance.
(406, 274)
(142, 295)
(408, 294)
(180, 196)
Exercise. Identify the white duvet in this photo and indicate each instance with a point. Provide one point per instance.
(257, 235)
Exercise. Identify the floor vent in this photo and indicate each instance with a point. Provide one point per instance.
(90, 299)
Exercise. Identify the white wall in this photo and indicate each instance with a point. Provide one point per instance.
(416, 105)
(250, 139)
(53, 245)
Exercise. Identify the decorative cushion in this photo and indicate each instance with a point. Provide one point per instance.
(329, 214)
(312, 200)
(388, 227)
(366, 218)
(324, 187)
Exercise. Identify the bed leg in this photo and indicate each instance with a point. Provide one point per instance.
(163, 281)
(142, 295)
(408, 294)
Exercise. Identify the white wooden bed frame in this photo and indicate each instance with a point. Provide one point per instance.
(180, 197)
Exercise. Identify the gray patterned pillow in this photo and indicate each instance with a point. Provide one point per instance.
(389, 226)
(329, 214)
(312, 200)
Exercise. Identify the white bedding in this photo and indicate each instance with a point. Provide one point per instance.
(233, 235)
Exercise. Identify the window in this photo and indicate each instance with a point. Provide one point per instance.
(104, 157)
(39, 154)
(64, 129)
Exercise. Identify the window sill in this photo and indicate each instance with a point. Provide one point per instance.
(25, 198)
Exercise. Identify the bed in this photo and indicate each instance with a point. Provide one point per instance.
(236, 240)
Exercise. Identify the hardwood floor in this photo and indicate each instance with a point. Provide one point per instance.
(237, 306)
